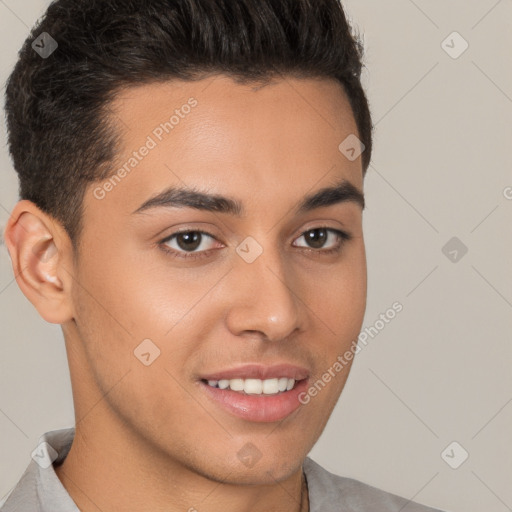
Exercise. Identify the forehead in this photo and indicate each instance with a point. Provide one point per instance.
(242, 140)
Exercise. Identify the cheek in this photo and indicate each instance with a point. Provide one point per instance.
(339, 304)
(113, 321)
(130, 299)
(339, 295)
(105, 336)
(122, 305)
(111, 315)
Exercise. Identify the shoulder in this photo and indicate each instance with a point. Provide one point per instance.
(330, 492)
(39, 488)
(23, 496)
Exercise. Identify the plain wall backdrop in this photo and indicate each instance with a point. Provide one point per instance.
(439, 241)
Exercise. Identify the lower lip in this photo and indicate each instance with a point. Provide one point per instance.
(258, 408)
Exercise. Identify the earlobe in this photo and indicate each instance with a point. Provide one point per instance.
(37, 248)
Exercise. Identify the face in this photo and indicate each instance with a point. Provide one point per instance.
(201, 321)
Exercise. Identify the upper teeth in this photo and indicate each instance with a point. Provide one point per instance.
(255, 386)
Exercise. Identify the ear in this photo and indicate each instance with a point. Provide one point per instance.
(41, 256)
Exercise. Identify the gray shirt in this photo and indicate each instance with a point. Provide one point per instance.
(40, 490)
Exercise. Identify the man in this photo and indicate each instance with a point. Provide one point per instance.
(239, 128)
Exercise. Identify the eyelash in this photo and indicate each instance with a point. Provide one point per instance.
(343, 238)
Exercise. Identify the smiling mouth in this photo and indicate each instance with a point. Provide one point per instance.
(264, 387)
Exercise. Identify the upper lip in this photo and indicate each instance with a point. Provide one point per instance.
(259, 371)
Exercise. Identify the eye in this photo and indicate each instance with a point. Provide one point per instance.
(194, 243)
(183, 242)
(317, 238)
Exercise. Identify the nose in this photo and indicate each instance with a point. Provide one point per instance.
(265, 298)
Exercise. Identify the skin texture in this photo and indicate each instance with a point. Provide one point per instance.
(148, 437)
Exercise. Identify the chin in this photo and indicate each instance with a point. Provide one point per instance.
(255, 471)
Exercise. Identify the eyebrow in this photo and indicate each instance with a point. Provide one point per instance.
(184, 197)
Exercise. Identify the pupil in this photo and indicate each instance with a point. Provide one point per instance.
(317, 237)
(192, 237)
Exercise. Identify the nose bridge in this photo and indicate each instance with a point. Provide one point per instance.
(265, 299)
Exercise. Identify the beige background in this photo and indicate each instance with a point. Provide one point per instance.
(440, 371)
